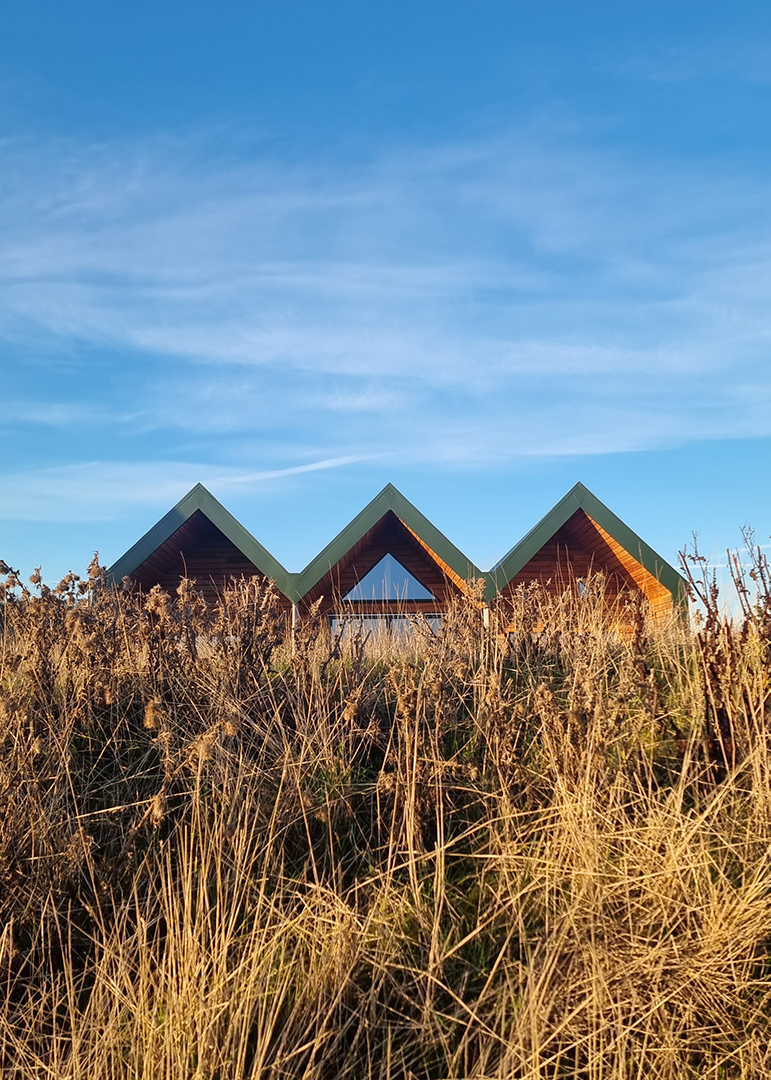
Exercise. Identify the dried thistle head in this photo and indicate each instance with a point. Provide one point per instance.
(157, 602)
(67, 584)
(157, 808)
(351, 709)
(95, 569)
(201, 748)
(154, 714)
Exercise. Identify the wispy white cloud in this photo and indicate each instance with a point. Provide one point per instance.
(507, 297)
(99, 490)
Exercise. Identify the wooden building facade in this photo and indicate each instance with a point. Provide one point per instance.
(201, 540)
(391, 561)
(578, 538)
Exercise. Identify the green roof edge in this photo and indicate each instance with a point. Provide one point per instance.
(200, 498)
(390, 498)
(581, 498)
(295, 586)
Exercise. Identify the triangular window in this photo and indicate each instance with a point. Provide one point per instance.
(389, 580)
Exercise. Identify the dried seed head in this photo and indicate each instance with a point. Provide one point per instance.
(154, 714)
(157, 602)
(201, 748)
(386, 783)
(157, 808)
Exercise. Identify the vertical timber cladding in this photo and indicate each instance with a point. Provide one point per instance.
(199, 539)
(388, 536)
(580, 548)
(200, 551)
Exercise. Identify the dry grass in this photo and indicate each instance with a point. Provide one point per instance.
(462, 855)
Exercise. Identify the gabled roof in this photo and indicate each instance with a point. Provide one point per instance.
(450, 559)
(390, 498)
(580, 498)
(199, 498)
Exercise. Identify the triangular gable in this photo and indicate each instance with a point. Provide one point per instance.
(200, 501)
(456, 567)
(625, 545)
(388, 580)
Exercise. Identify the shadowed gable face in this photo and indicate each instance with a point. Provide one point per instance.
(196, 550)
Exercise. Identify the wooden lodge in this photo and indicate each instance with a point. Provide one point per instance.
(391, 561)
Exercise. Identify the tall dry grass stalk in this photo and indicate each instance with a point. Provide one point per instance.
(464, 854)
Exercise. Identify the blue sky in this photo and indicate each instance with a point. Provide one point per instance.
(295, 251)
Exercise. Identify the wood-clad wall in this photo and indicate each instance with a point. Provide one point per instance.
(580, 548)
(197, 550)
(388, 536)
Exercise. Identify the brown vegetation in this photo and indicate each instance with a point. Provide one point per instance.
(462, 854)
